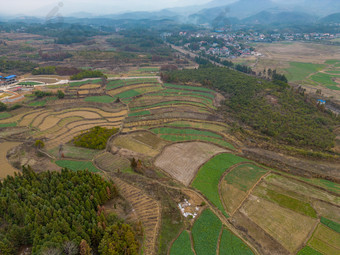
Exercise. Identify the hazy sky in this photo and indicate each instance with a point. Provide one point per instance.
(43, 7)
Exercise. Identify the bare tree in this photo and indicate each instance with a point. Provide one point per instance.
(70, 248)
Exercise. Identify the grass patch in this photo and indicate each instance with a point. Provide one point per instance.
(77, 165)
(325, 240)
(232, 245)
(182, 245)
(182, 138)
(74, 152)
(205, 233)
(12, 124)
(100, 99)
(332, 186)
(307, 250)
(141, 113)
(120, 83)
(209, 175)
(184, 131)
(29, 83)
(245, 176)
(323, 78)
(170, 103)
(79, 83)
(4, 115)
(291, 203)
(331, 224)
(299, 71)
(332, 61)
(333, 72)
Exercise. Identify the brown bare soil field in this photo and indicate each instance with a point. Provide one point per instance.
(263, 242)
(300, 52)
(48, 122)
(327, 210)
(6, 168)
(28, 118)
(182, 160)
(232, 196)
(142, 142)
(289, 228)
(148, 212)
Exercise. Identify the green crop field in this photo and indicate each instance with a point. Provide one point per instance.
(141, 113)
(29, 83)
(245, 176)
(184, 131)
(332, 61)
(200, 125)
(232, 245)
(12, 124)
(100, 99)
(182, 138)
(307, 250)
(188, 87)
(299, 71)
(182, 245)
(333, 72)
(331, 224)
(79, 83)
(77, 165)
(288, 202)
(210, 173)
(323, 78)
(205, 233)
(5, 115)
(167, 92)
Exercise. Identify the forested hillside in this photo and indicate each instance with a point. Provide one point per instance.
(272, 108)
(61, 213)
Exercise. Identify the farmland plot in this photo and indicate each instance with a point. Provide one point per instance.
(182, 160)
(141, 142)
(6, 167)
(112, 163)
(232, 245)
(182, 245)
(237, 183)
(286, 226)
(205, 233)
(325, 240)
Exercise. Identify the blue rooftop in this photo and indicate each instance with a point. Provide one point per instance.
(321, 101)
(10, 77)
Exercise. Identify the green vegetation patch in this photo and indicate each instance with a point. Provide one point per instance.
(332, 61)
(4, 115)
(74, 152)
(29, 83)
(210, 173)
(232, 245)
(95, 139)
(331, 224)
(182, 245)
(77, 165)
(80, 83)
(113, 84)
(100, 99)
(245, 176)
(332, 186)
(184, 131)
(205, 233)
(307, 250)
(299, 71)
(324, 79)
(141, 113)
(181, 138)
(291, 203)
(12, 124)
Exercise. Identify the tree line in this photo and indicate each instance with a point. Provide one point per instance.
(61, 213)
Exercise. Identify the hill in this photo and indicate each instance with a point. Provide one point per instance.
(266, 18)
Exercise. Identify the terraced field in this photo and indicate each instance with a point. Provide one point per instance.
(147, 210)
(6, 168)
(112, 163)
(182, 160)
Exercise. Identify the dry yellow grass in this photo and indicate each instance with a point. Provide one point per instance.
(28, 118)
(289, 228)
(6, 168)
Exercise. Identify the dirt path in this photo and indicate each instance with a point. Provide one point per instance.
(147, 209)
(6, 167)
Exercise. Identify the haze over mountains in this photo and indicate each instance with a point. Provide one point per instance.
(221, 12)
